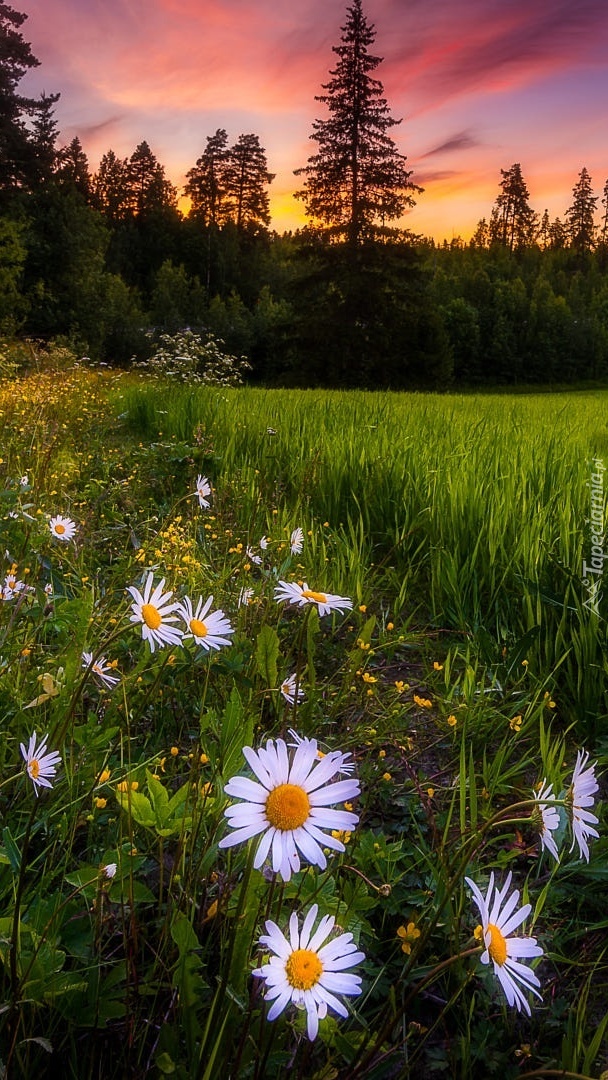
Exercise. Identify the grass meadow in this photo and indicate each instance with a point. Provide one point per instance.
(436, 656)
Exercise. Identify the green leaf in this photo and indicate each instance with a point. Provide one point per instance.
(266, 654)
(13, 855)
(159, 798)
(186, 977)
(138, 806)
(165, 1064)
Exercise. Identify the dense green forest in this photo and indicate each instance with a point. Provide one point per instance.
(100, 259)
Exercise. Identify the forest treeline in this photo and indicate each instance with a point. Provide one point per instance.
(97, 259)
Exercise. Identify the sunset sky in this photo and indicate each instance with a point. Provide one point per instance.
(480, 84)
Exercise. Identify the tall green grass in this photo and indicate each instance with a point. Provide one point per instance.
(475, 507)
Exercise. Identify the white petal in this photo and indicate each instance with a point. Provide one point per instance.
(309, 921)
(241, 787)
(263, 848)
(324, 929)
(309, 848)
(276, 1009)
(241, 835)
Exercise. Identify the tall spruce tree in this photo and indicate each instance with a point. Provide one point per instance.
(147, 187)
(110, 194)
(580, 222)
(513, 222)
(207, 181)
(73, 168)
(247, 178)
(45, 133)
(357, 181)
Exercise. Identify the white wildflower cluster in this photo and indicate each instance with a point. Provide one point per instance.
(189, 358)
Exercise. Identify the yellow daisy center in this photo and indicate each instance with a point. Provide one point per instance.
(287, 807)
(33, 768)
(198, 628)
(59, 528)
(303, 969)
(318, 597)
(498, 945)
(151, 616)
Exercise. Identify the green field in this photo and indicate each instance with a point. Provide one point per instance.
(470, 668)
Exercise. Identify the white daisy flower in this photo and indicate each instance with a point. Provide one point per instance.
(547, 818)
(264, 543)
(290, 805)
(244, 597)
(301, 595)
(251, 555)
(11, 587)
(101, 668)
(579, 798)
(207, 630)
(38, 764)
(305, 971)
(62, 528)
(24, 481)
(109, 870)
(203, 489)
(153, 610)
(297, 542)
(291, 690)
(504, 951)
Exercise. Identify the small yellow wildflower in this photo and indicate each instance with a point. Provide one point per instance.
(408, 935)
(515, 723)
(101, 803)
(452, 721)
(437, 666)
(104, 776)
(174, 751)
(390, 626)
(369, 678)
(363, 608)
(382, 753)
(423, 703)
(430, 792)
(204, 759)
(525, 663)
(400, 686)
(341, 834)
(386, 776)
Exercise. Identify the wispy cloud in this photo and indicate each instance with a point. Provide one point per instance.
(461, 141)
